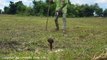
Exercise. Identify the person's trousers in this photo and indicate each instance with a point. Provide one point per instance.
(64, 21)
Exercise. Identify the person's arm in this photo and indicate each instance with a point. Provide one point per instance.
(65, 3)
(63, 6)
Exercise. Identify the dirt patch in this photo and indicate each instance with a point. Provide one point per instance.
(6, 46)
(102, 56)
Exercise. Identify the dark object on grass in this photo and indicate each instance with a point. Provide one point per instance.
(50, 41)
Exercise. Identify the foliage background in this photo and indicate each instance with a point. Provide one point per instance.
(40, 8)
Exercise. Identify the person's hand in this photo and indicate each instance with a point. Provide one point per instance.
(59, 10)
(51, 1)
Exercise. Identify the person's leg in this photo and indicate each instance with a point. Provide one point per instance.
(64, 22)
(56, 20)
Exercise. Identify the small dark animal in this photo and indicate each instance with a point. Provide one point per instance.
(50, 41)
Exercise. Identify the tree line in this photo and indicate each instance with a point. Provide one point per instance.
(40, 8)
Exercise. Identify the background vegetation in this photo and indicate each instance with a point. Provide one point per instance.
(40, 8)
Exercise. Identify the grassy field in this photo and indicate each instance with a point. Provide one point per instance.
(26, 36)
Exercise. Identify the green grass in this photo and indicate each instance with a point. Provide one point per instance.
(26, 36)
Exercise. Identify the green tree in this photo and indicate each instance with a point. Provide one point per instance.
(35, 7)
(105, 13)
(29, 11)
(0, 11)
(15, 8)
(97, 9)
(20, 7)
(39, 8)
(12, 8)
(47, 1)
(6, 10)
(87, 11)
(72, 12)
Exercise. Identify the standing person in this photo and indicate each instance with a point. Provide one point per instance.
(61, 7)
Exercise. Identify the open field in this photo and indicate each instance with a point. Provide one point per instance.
(26, 36)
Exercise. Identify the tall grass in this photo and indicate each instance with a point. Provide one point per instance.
(20, 36)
